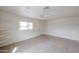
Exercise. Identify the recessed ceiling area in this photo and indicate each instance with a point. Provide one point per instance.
(43, 12)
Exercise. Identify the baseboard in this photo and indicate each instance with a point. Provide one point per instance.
(62, 37)
(4, 44)
(13, 42)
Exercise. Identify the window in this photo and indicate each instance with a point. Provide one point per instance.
(26, 25)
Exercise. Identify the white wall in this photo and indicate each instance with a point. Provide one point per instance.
(10, 22)
(65, 28)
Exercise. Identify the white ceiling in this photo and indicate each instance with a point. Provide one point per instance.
(43, 12)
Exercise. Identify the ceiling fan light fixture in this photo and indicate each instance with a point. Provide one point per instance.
(46, 7)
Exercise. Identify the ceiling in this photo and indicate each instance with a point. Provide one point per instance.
(43, 12)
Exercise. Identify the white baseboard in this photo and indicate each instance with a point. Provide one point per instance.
(62, 37)
(12, 42)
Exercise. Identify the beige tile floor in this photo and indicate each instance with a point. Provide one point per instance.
(44, 44)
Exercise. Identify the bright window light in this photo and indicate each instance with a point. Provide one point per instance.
(14, 50)
(26, 25)
(30, 25)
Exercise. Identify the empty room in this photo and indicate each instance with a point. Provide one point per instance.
(39, 29)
